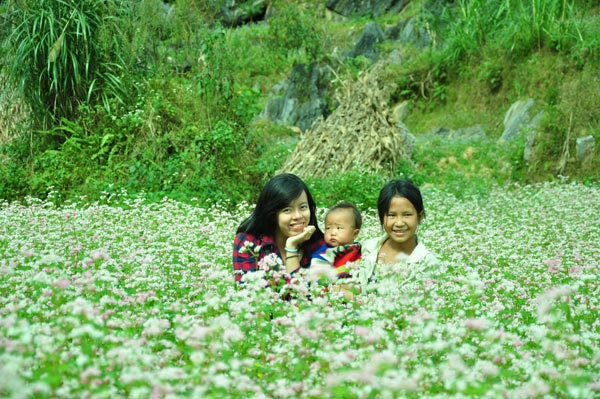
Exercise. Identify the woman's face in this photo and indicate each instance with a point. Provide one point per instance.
(401, 222)
(292, 219)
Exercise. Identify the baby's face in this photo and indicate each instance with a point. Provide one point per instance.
(339, 227)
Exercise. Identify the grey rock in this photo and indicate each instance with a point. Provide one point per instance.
(584, 147)
(475, 131)
(414, 34)
(516, 118)
(365, 45)
(299, 100)
(236, 13)
(530, 138)
(409, 32)
(395, 58)
(408, 139)
(400, 111)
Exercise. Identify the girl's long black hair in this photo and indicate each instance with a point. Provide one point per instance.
(276, 195)
(403, 188)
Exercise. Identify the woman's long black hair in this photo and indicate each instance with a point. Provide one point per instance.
(276, 195)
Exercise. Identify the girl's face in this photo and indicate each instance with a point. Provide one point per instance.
(339, 227)
(292, 219)
(401, 222)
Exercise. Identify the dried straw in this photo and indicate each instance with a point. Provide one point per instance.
(359, 134)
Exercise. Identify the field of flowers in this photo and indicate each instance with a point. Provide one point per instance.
(139, 301)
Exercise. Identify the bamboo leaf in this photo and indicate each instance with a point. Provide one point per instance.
(55, 49)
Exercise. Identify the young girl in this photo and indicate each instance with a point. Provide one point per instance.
(283, 222)
(400, 209)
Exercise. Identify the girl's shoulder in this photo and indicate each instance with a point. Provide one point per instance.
(373, 244)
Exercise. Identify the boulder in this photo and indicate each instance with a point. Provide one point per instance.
(400, 111)
(407, 138)
(365, 45)
(409, 32)
(235, 13)
(466, 133)
(584, 147)
(516, 118)
(300, 100)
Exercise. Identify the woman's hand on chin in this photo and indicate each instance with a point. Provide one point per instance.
(294, 242)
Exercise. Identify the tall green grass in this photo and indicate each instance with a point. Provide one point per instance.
(63, 53)
(518, 27)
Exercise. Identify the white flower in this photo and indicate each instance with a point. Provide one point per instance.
(321, 269)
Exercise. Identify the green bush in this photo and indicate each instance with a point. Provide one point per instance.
(13, 181)
(358, 186)
(293, 30)
(423, 80)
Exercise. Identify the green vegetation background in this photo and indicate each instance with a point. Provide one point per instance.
(132, 96)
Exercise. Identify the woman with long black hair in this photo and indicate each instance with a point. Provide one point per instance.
(282, 223)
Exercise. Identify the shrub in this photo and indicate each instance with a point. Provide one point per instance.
(358, 186)
(293, 30)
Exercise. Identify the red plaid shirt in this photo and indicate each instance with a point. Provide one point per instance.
(244, 262)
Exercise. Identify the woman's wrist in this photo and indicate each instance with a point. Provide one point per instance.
(291, 267)
(292, 258)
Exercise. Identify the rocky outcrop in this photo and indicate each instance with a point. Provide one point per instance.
(301, 99)
(515, 119)
(409, 32)
(365, 46)
(236, 13)
(584, 147)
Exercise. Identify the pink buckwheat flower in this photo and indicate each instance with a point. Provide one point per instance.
(62, 283)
